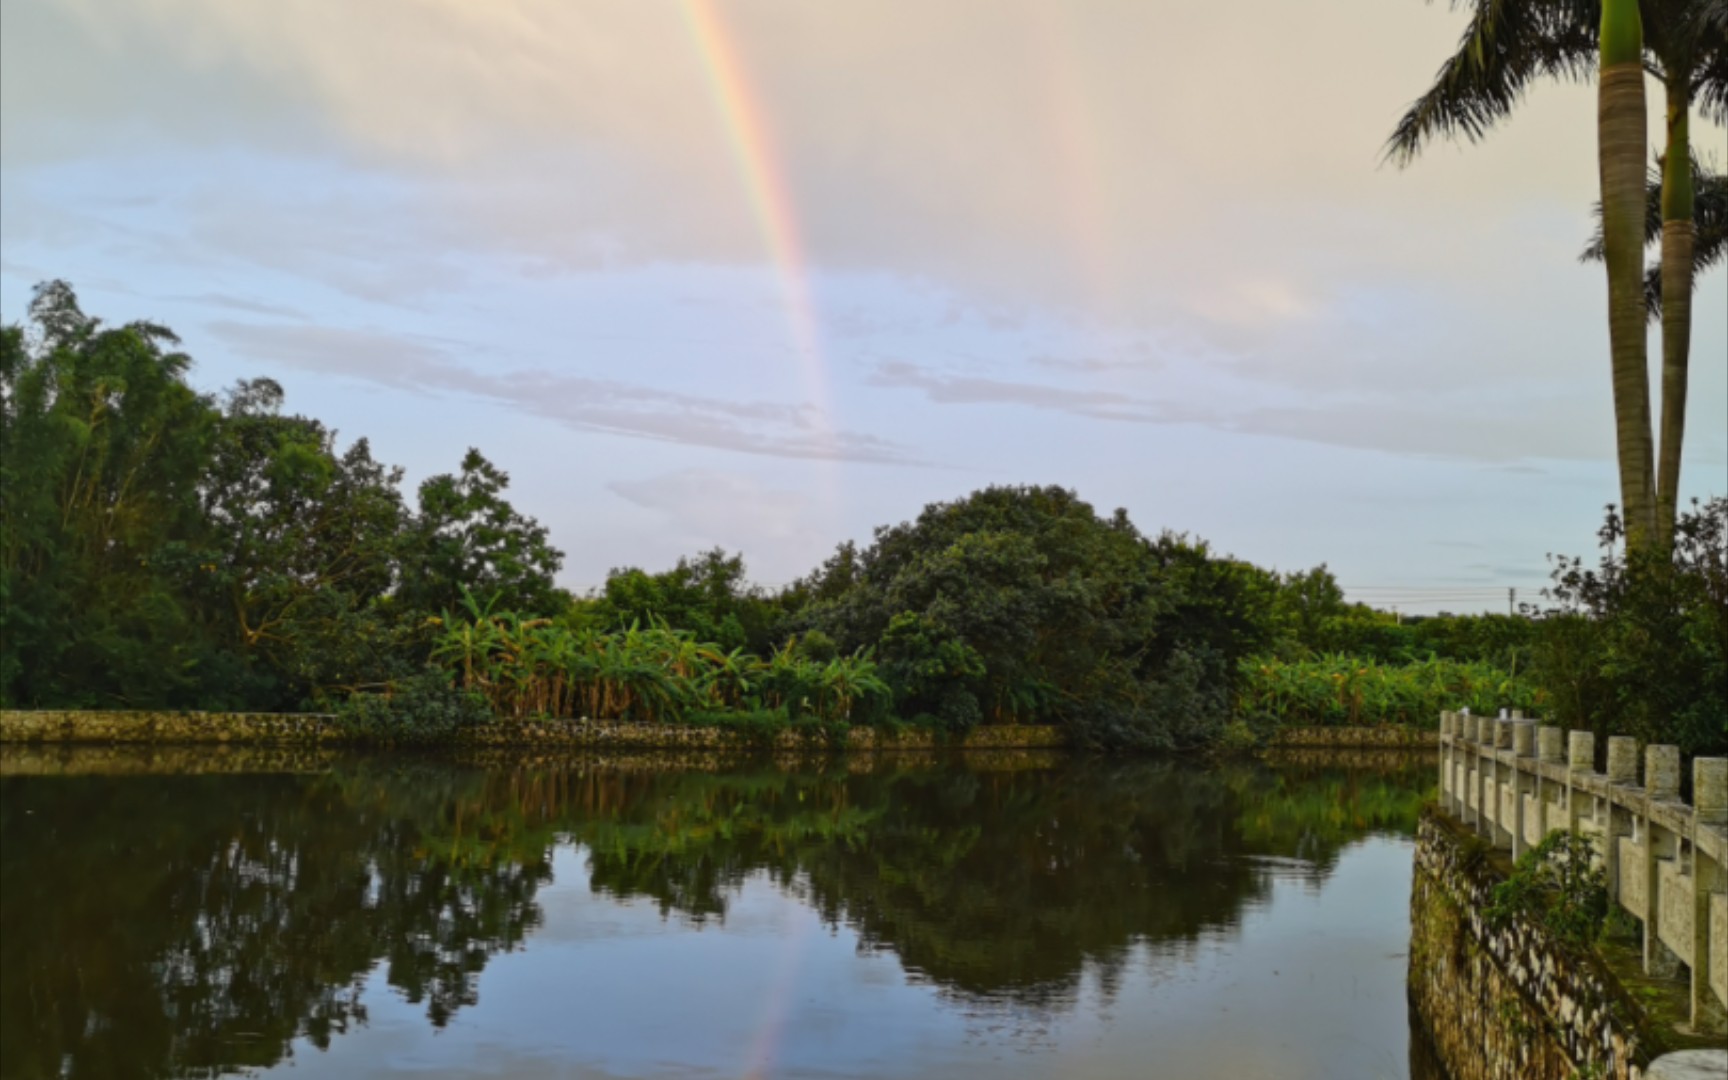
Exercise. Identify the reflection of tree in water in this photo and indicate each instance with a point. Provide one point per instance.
(191, 925)
(1001, 883)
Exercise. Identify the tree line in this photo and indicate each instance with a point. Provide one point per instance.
(162, 547)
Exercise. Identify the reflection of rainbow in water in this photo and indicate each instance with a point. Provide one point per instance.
(777, 1006)
(765, 183)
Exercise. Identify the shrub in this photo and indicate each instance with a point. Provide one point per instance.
(420, 708)
(1557, 885)
(1639, 645)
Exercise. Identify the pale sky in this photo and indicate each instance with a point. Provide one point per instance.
(765, 275)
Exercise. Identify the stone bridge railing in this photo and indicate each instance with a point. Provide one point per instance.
(1666, 862)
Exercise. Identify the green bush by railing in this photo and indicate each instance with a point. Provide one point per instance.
(1343, 690)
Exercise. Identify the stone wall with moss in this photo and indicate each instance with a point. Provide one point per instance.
(1387, 737)
(604, 734)
(1511, 1003)
(310, 728)
(165, 727)
(187, 759)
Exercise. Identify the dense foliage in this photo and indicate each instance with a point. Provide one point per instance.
(1024, 605)
(1639, 645)
(526, 667)
(162, 547)
(1340, 689)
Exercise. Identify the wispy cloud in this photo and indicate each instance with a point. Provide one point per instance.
(946, 389)
(605, 406)
(1138, 357)
(241, 303)
(1441, 428)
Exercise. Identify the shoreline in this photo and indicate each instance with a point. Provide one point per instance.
(317, 730)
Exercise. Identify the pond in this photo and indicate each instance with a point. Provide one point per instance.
(975, 917)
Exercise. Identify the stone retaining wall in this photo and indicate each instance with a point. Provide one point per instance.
(1514, 1003)
(281, 728)
(612, 735)
(314, 729)
(165, 727)
(182, 759)
(1388, 737)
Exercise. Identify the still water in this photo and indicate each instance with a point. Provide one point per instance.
(584, 919)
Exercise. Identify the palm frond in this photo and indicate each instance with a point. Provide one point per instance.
(1507, 45)
(1709, 216)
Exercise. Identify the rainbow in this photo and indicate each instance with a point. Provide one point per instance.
(764, 179)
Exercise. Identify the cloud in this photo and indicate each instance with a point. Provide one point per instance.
(1135, 358)
(1038, 163)
(241, 303)
(1025, 150)
(946, 389)
(606, 406)
(700, 508)
(1468, 430)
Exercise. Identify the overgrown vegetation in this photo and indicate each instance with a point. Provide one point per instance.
(1556, 885)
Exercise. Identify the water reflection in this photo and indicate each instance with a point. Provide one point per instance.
(194, 925)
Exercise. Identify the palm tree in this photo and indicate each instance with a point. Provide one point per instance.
(1621, 145)
(1510, 44)
(1691, 243)
(1709, 219)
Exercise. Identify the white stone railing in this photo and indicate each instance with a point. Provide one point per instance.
(1514, 782)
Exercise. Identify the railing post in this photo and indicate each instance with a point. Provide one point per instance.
(1550, 748)
(1622, 759)
(1523, 748)
(1550, 752)
(1709, 879)
(1710, 791)
(1662, 772)
(1581, 760)
(1446, 800)
(1473, 770)
(1661, 781)
(1622, 769)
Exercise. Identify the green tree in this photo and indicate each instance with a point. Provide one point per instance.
(102, 447)
(1638, 644)
(709, 595)
(1023, 604)
(304, 544)
(1688, 246)
(467, 536)
(1307, 599)
(1509, 45)
(1621, 142)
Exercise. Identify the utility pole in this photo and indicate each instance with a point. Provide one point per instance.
(1512, 601)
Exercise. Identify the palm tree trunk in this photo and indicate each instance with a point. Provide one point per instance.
(1679, 233)
(1621, 146)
